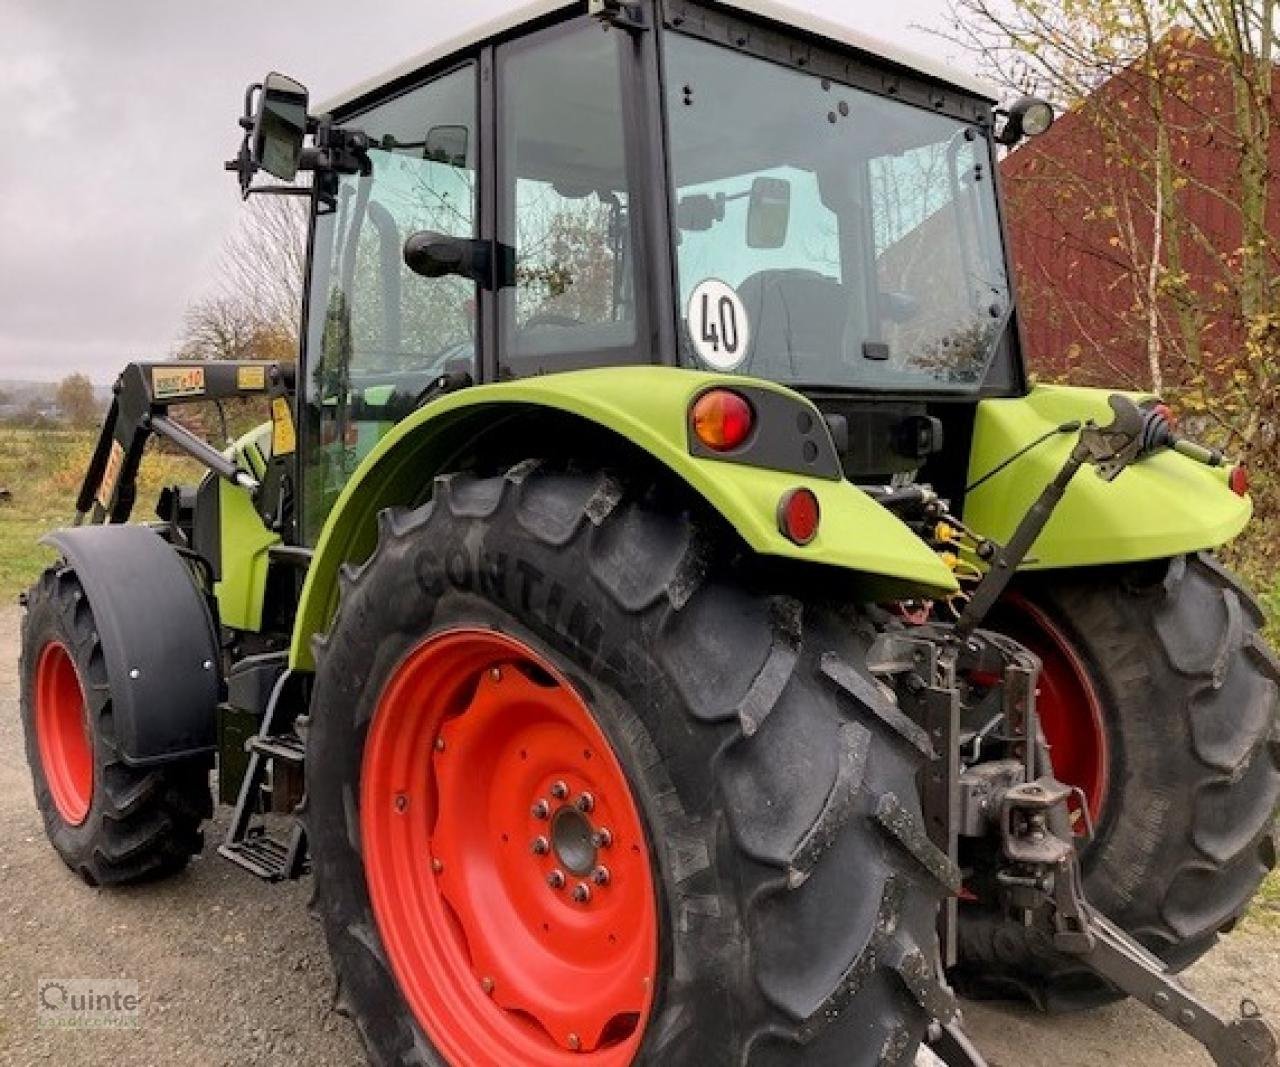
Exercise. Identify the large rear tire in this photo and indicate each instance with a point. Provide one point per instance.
(526, 639)
(1162, 702)
(111, 823)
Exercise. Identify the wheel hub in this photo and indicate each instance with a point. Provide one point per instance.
(572, 837)
(507, 861)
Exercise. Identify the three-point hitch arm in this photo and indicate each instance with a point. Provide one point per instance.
(1024, 805)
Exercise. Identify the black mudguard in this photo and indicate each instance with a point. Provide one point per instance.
(158, 637)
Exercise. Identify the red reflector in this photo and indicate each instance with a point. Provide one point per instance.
(722, 419)
(1239, 480)
(799, 515)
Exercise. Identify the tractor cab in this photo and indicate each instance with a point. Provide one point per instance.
(679, 184)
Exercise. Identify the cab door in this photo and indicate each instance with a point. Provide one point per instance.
(378, 334)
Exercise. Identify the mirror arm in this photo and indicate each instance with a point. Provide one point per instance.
(280, 190)
(243, 165)
(339, 151)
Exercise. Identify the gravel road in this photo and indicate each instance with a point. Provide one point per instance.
(234, 972)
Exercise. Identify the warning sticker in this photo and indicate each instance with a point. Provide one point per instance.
(718, 325)
(111, 475)
(168, 382)
(284, 438)
(251, 378)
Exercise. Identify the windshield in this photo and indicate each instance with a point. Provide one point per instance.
(829, 236)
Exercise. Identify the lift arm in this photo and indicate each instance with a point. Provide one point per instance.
(143, 395)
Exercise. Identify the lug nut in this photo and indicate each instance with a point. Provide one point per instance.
(402, 802)
(439, 744)
(556, 879)
(487, 986)
(495, 675)
(540, 846)
(540, 810)
(582, 892)
(437, 865)
(601, 876)
(602, 838)
(559, 790)
(575, 1042)
(586, 803)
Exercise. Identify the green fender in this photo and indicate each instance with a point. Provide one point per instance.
(647, 406)
(1165, 505)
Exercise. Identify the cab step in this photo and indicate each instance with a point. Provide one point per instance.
(272, 780)
(287, 747)
(268, 857)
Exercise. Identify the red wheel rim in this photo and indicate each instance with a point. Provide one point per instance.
(62, 733)
(506, 860)
(1069, 704)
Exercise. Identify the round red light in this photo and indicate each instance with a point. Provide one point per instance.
(1239, 480)
(799, 515)
(722, 420)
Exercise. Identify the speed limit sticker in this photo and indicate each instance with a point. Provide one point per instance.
(718, 325)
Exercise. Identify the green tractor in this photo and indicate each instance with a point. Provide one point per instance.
(659, 613)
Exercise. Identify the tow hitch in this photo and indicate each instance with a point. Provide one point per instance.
(1042, 885)
(1009, 814)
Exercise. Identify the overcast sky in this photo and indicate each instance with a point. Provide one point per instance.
(118, 116)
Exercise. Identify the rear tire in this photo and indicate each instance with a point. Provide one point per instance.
(796, 895)
(111, 823)
(1190, 715)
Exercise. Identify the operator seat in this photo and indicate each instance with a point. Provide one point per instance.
(797, 324)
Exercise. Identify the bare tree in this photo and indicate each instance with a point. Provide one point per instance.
(219, 327)
(264, 262)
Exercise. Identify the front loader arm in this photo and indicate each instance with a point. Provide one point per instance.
(142, 397)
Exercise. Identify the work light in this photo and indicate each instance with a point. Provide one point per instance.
(1029, 117)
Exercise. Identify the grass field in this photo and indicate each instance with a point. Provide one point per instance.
(43, 470)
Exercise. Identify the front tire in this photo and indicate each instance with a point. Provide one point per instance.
(763, 794)
(1164, 706)
(111, 823)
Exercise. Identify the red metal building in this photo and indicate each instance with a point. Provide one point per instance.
(1082, 210)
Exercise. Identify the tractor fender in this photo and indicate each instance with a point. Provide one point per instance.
(1165, 505)
(158, 639)
(648, 407)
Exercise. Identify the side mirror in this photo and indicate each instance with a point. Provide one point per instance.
(769, 217)
(447, 144)
(435, 255)
(279, 126)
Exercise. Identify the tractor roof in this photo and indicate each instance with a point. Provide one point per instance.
(776, 10)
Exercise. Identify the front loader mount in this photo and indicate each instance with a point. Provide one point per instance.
(142, 397)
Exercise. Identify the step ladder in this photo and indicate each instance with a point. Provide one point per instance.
(248, 842)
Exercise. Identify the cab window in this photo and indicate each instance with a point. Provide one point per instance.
(564, 199)
(378, 334)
